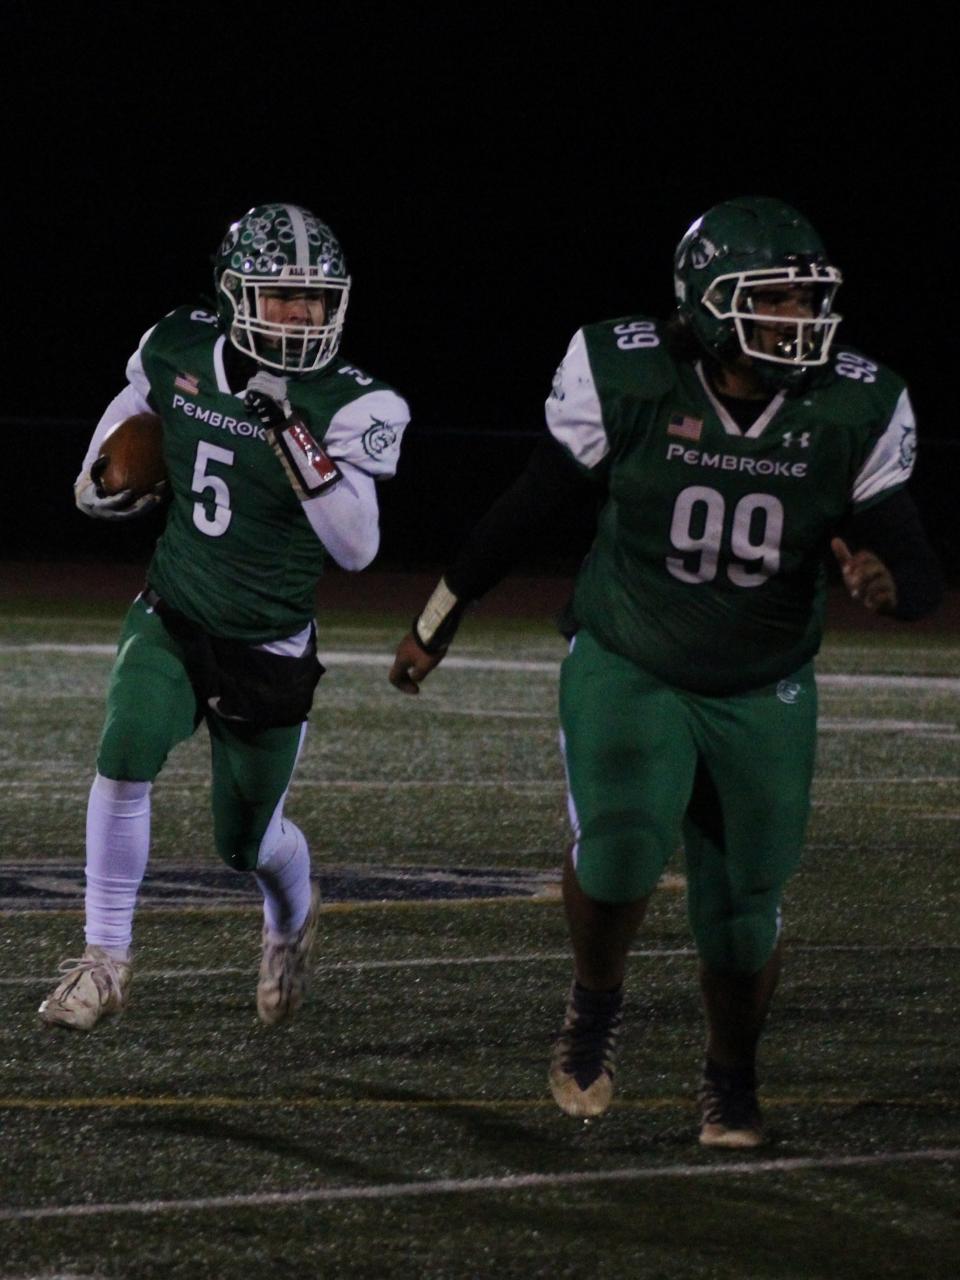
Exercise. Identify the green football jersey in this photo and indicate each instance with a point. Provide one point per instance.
(708, 564)
(238, 554)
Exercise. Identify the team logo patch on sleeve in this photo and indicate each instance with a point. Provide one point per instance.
(685, 427)
(379, 438)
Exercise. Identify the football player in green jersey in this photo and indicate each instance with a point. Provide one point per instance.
(273, 444)
(735, 445)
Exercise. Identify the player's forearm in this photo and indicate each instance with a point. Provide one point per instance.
(549, 484)
(346, 519)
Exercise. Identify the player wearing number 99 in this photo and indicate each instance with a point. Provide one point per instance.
(735, 444)
(273, 445)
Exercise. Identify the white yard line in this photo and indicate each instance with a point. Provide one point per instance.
(531, 957)
(179, 779)
(837, 648)
(357, 966)
(933, 684)
(455, 662)
(478, 1186)
(185, 781)
(934, 780)
(95, 649)
(935, 733)
(81, 787)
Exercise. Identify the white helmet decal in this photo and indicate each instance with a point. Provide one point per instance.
(281, 247)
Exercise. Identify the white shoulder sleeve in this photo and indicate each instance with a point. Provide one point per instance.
(132, 399)
(891, 462)
(135, 371)
(574, 415)
(366, 433)
(346, 518)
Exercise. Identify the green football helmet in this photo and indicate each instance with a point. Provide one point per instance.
(272, 251)
(724, 263)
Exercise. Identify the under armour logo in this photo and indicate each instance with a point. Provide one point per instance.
(803, 440)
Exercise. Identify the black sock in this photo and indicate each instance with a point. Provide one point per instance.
(597, 1002)
(742, 1077)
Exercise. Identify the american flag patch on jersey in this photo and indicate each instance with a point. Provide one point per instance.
(685, 427)
(188, 382)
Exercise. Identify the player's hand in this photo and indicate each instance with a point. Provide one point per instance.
(866, 577)
(126, 505)
(412, 665)
(266, 396)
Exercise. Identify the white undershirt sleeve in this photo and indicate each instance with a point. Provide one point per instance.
(346, 518)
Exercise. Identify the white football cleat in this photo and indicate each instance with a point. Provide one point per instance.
(730, 1113)
(94, 986)
(582, 1064)
(284, 975)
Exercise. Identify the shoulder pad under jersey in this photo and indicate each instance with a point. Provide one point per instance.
(605, 365)
(857, 391)
(629, 357)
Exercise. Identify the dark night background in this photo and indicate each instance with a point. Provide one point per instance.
(497, 175)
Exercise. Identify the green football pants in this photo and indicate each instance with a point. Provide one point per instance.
(647, 761)
(151, 706)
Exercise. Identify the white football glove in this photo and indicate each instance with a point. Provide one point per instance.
(113, 506)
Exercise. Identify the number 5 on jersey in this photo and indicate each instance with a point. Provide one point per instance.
(215, 525)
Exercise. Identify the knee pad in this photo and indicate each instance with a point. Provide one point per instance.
(238, 848)
(619, 862)
(741, 938)
(243, 844)
(282, 842)
(251, 774)
(132, 748)
(150, 708)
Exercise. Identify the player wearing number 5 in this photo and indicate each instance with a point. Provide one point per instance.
(272, 444)
(734, 443)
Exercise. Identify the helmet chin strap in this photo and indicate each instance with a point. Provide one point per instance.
(743, 378)
(780, 377)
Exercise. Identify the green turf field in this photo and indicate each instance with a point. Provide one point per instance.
(400, 1127)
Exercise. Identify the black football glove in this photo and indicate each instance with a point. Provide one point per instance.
(310, 469)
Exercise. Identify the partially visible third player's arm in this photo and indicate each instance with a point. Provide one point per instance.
(550, 483)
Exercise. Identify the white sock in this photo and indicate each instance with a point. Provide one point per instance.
(283, 874)
(118, 845)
